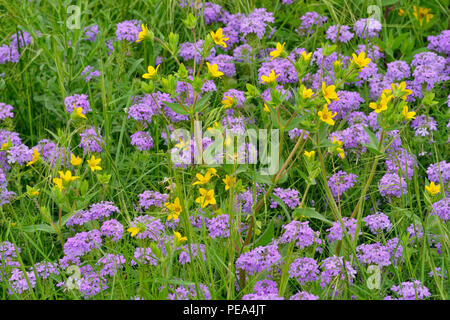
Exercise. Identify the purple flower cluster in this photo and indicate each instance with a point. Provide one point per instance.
(113, 229)
(190, 51)
(374, 253)
(309, 21)
(378, 222)
(97, 211)
(348, 101)
(142, 140)
(410, 290)
(335, 232)
(195, 248)
(304, 270)
(91, 140)
(367, 28)
(6, 111)
(110, 264)
(149, 198)
(149, 227)
(339, 33)
(423, 125)
(333, 268)
(77, 101)
(128, 30)
(402, 162)
(439, 170)
(259, 259)
(88, 73)
(303, 295)
(440, 43)
(10, 53)
(91, 33)
(219, 227)
(340, 182)
(302, 233)
(82, 243)
(391, 185)
(189, 292)
(441, 209)
(289, 197)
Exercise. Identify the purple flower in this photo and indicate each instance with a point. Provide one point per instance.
(225, 64)
(189, 292)
(150, 227)
(189, 51)
(333, 268)
(441, 209)
(288, 196)
(149, 198)
(90, 282)
(410, 290)
(402, 162)
(91, 140)
(88, 74)
(391, 185)
(367, 28)
(303, 295)
(304, 270)
(310, 20)
(340, 182)
(238, 95)
(256, 22)
(219, 227)
(335, 232)
(397, 70)
(378, 222)
(259, 259)
(423, 125)
(374, 253)
(344, 33)
(82, 243)
(395, 249)
(78, 101)
(302, 232)
(243, 53)
(113, 229)
(142, 140)
(9, 54)
(264, 287)
(19, 154)
(6, 111)
(128, 30)
(348, 101)
(91, 33)
(440, 43)
(296, 133)
(439, 170)
(185, 256)
(111, 263)
(144, 256)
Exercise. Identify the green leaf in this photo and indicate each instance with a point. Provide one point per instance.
(202, 102)
(176, 107)
(39, 227)
(310, 213)
(373, 142)
(267, 236)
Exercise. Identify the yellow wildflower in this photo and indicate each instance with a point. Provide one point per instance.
(93, 163)
(229, 182)
(278, 51)
(361, 61)
(270, 78)
(433, 189)
(151, 72)
(329, 92)
(219, 38)
(36, 157)
(214, 70)
(326, 115)
(206, 197)
(75, 161)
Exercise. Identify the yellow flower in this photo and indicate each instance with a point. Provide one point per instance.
(134, 231)
(266, 108)
(93, 163)
(338, 144)
(361, 61)
(307, 93)
(59, 183)
(326, 115)
(408, 114)
(212, 172)
(329, 92)
(219, 38)
(402, 88)
(306, 56)
(228, 102)
(378, 107)
(175, 209)
(278, 51)
(178, 237)
(214, 70)
(36, 157)
(309, 154)
(151, 72)
(206, 197)
(67, 177)
(433, 189)
(401, 12)
(337, 63)
(75, 161)
(6, 146)
(79, 112)
(270, 78)
(202, 179)
(423, 13)
(229, 182)
(143, 33)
